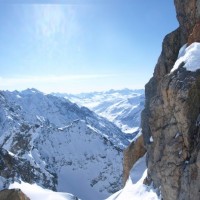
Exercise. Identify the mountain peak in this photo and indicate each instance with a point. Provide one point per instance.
(30, 91)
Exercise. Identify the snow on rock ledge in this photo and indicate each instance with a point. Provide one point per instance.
(189, 57)
(134, 188)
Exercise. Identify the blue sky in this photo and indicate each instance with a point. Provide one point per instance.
(82, 46)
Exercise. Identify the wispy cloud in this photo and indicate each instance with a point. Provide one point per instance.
(55, 26)
(53, 20)
(49, 79)
(69, 83)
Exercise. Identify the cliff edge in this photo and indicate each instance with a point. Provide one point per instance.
(170, 118)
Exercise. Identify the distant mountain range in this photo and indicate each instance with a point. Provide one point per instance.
(122, 107)
(50, 141)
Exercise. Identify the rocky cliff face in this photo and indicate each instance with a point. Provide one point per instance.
(13, 194)
(171, 111)
(133, 153)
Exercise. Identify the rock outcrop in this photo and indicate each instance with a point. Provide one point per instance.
(195, 35)
(171, 111)
(13, 194)
(134, 152)
(12, 167)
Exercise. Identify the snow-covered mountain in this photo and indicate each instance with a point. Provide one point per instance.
(122, 107)
(50, 141)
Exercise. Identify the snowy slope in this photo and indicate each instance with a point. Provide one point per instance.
(35, 192)
(122, 107)
(134, 188)
(59, 145)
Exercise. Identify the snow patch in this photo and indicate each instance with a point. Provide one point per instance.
(138, 135)
(182, 51)
(189, 57)
(134, 188)
(177, 135)
(40, 118)
(9, 117)
(18, 96)
(35, 192)
(10, 153)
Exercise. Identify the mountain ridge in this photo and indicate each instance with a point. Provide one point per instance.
(122, 107)
(59, 142)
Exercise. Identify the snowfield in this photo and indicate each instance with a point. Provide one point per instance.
(134, 188)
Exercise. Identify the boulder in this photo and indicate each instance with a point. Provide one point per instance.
(13, 194)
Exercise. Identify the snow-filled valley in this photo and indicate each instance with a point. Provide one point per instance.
(52, 142)
(122, 107)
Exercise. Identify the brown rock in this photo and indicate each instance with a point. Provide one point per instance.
(188, 14)
(170, 114)
(135, 151)
(170, 48)
(13, 194)
(195, 35)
